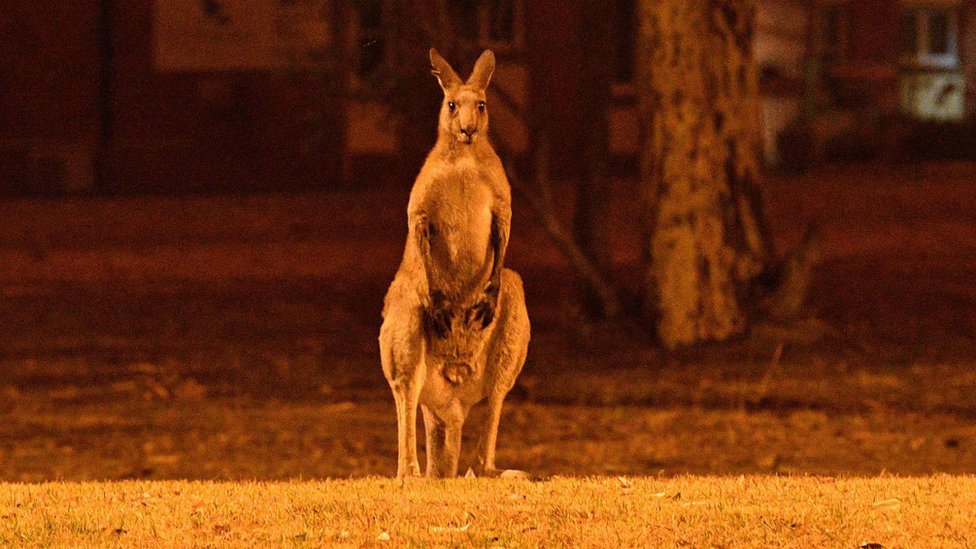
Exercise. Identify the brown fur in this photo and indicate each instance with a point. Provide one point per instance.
(455, 329)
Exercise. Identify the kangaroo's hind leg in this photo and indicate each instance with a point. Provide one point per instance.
(506, 356)
(402, 356)
(485, 460)
(443, 429)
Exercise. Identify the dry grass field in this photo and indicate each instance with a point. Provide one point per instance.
(745, 511)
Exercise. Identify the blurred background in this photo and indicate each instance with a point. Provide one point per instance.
(127, 96)
(203, 201)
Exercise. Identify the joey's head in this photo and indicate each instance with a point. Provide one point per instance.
(464, 116)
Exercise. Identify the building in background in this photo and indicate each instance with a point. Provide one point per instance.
(163, 96)
(879, 69)
(783, 34)
(210, 95)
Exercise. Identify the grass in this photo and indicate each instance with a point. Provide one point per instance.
(745, 511)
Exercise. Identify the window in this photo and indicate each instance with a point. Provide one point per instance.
(489, 23)
(929, 37)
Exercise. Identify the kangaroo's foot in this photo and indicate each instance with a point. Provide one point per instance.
(408, 472)
(443, 429)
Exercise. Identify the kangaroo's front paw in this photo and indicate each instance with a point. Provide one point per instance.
(439, 315)
(438, 322)
(483, 311)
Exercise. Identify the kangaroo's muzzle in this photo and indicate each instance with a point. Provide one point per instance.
(468, 134)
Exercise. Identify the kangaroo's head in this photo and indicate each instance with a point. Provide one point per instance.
(464, 117)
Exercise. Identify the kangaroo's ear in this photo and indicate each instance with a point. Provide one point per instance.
(443, 71)
(483, 68)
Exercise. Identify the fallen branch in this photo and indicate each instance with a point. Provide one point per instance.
(797, 276)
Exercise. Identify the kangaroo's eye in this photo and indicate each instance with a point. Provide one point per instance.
(451, 106)
(481, 106)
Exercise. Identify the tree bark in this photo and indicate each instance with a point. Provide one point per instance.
(590, 226)
(698, 106)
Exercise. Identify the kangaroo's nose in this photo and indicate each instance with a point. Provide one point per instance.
(469, 130)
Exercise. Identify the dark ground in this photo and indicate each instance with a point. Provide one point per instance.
(234, 337)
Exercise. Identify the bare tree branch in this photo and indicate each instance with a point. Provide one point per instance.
(790, 295)
(541, 204)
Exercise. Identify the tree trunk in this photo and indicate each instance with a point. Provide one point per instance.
(590, 228)
(698, 105)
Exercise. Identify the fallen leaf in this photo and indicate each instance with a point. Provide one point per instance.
(190, 389)
(155, 389)
(451, 529)
(694, 503)
(893, 502)
(384, 536)
(164, 459)
(770, 461)
(514, 473)
(66, 393)
(337, 407)
(144, 368)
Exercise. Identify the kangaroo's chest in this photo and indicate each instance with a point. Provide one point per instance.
(458, 203)
(462, 222)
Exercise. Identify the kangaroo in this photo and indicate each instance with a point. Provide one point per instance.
(455, 328)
